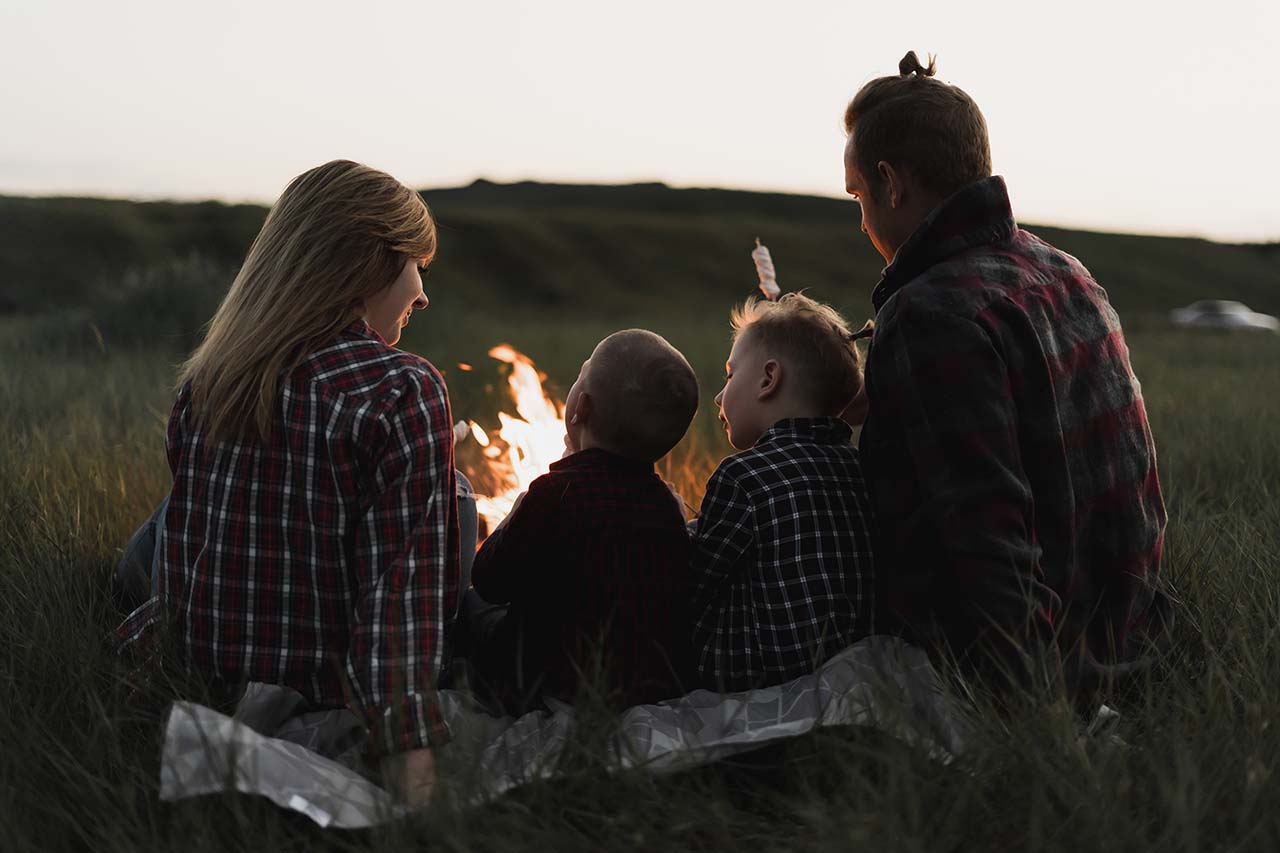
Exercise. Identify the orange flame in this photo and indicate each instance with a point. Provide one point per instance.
(524, 446)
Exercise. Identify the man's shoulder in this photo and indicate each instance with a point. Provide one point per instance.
(1043, 260)
(967, 283)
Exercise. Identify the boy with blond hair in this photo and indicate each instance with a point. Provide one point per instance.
(592, 563)
(782, 560)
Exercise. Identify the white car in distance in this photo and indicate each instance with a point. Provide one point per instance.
(1222, 314)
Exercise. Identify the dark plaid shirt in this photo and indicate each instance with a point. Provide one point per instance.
(594, 563)
(782, 559)
(326, 558)
(1007, 447)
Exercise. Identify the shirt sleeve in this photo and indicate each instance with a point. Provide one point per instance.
(518, 552)
(721, 537)
(138, 629)
(967, 535)
(408, 566)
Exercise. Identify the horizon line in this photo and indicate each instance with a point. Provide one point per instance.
(251, 201)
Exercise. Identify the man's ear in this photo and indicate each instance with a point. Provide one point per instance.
(894, 183)
(770, 379)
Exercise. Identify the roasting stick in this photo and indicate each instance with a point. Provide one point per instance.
(764, 269)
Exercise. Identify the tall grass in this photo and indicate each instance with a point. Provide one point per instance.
(81, 464)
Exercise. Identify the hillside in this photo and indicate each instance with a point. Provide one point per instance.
(106, 297)
(583, 249)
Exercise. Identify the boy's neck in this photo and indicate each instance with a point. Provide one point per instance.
(786, 409)
(586, 441)
(589, 442)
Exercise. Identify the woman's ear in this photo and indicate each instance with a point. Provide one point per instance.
(770, 379)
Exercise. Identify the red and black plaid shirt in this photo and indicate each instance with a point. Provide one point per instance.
(1007, 447)
(326, 558)
(594, 560)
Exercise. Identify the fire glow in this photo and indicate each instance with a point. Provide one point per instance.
(525, 444)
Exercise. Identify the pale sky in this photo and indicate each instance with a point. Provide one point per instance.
(1117, 116)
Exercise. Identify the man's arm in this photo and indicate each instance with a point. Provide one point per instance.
(403, 559)
(940, 382)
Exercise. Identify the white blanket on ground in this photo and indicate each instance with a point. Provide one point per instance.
(878, 682)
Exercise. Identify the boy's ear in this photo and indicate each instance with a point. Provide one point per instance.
(770, 379)
(582, 412)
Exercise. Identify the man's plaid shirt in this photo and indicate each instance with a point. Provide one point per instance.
(782, 563)
(326, 558)
(1007, 448)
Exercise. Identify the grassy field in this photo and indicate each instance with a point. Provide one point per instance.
(85, 385)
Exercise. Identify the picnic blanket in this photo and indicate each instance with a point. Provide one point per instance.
(879, 682)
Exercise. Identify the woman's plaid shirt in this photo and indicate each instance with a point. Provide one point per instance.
(782, 563)
(326, 558)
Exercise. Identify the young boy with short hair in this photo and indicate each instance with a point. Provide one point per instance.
(782, 559)
(593, 560)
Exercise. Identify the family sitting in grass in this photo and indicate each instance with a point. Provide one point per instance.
(1001, 509)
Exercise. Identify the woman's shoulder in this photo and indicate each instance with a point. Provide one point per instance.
(356, 365)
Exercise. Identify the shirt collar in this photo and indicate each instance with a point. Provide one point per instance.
(598, 457)
(819, 430)
(360, 328)
(977, 215)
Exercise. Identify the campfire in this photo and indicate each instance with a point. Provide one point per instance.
(523, 446)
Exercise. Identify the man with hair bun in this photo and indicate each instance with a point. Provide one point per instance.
(1006, 445)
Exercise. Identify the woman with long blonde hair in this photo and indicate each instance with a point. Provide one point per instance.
(311, 535)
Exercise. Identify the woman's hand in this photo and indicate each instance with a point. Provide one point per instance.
(410, 776)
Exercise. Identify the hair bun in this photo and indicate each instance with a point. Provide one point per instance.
(910, 64)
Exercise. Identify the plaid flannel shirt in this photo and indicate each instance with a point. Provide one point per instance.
(782, 561)
(595, 566)
(326, 558)
(1007, 447)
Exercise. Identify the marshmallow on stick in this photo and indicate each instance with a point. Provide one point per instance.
(764, 269)
(461, 430)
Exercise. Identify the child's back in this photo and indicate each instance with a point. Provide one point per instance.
(782, 558)
(782, 562)
(593, 563)
(594, 566)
